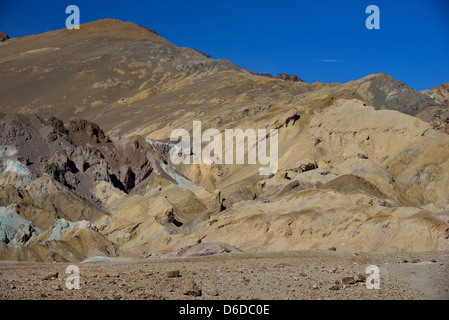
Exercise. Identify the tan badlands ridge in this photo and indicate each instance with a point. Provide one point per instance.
(85, 117)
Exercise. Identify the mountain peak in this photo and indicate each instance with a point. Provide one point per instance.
(439, 94)
(119, 28)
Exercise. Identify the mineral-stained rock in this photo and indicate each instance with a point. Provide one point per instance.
(362, 166)
(439, 93)
(14, 229)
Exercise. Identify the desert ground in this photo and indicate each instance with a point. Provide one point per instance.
(288, 275)
(87, 177)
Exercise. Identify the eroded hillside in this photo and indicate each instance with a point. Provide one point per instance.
(85, 118)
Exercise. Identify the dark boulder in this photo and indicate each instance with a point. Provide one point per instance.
(3, 36)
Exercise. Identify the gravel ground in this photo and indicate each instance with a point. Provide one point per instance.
(236, 276)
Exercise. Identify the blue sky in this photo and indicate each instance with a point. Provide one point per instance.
(318, 40)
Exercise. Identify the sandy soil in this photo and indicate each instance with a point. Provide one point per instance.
(267, 276)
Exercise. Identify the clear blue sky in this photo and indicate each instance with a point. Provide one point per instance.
(322, 40)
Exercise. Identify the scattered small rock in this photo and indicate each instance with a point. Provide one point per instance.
(212, 293)
(173, 274)
(416, 260)
(361, 278)
(332, 249)
(191, 288)
(335, 287)
(51, 276)
(348, 280)
(57, 287)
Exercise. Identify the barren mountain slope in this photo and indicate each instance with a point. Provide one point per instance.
(437, 116)
(85, 168)
(439, 93)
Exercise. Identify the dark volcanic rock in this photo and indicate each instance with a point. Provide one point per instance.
(77, 153)
(391, 94)
(3, 36)
(56, 173)
(58, 125)
(127, 177)
(282, 76)
(288, 77)
(80, 129)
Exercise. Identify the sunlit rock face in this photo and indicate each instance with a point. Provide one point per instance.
(86, 173)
